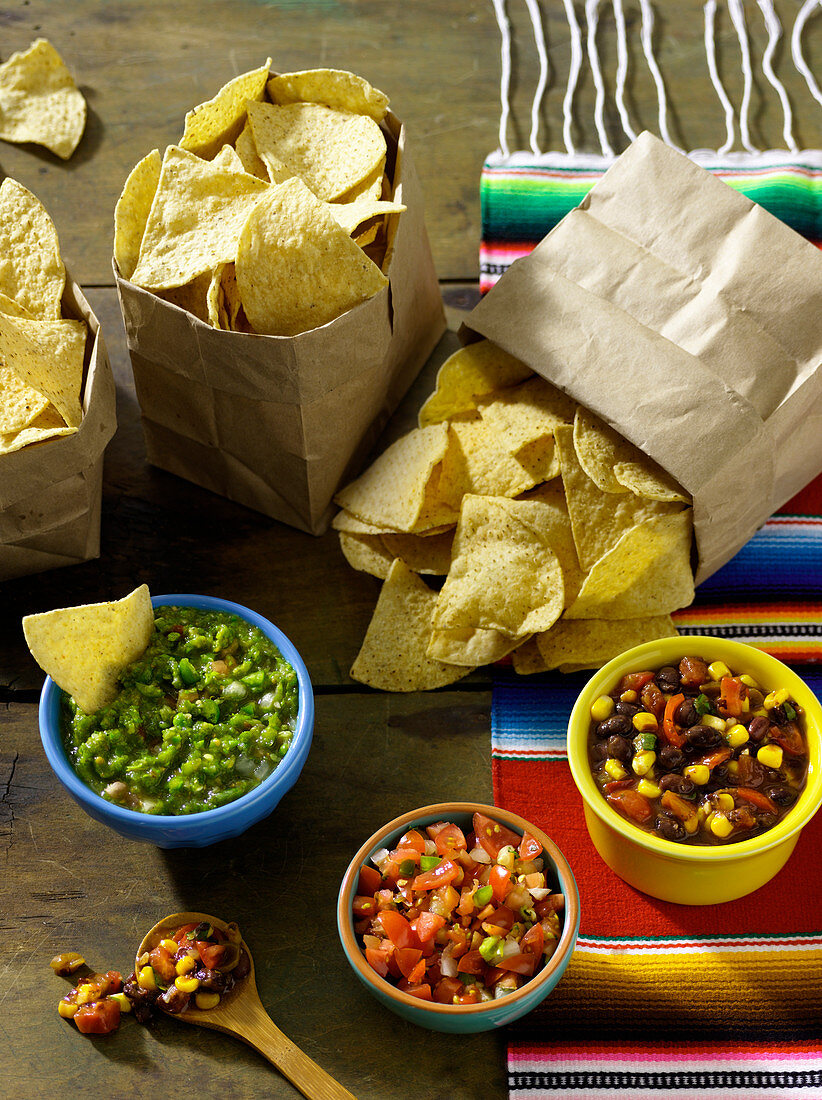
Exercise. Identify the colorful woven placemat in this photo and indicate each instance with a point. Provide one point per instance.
(663, 999)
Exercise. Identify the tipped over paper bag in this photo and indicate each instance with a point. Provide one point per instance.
(690, 320)
(279, 422)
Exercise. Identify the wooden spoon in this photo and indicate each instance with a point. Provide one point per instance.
(241, 1013)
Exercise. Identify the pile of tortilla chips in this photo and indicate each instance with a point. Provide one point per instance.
(41, 352)
(559, 541)
(39, 101)
(269, 216)
(86, 649)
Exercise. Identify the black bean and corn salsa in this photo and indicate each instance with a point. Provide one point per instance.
(698, 753)
(203, 717)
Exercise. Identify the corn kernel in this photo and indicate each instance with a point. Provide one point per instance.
(691, 824)
(645, 722)
(122, 1000)
(718, 669)
(713, 721)
(776, 698)
(698, 773)
(187, 985)
(649, 789)
(737, 736)
(206, 1000)
(614, 768)
(725, 802)
(629, 696)
(66, 1009)
(86, 993)
(643, 762)
(170, 946)
(721, 826)
(749, 681)
(733, 767)
(186, 965)
(602, 708)
(770, 756)
(145, 979)
(760, 712)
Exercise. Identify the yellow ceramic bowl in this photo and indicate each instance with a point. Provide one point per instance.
(684, 873)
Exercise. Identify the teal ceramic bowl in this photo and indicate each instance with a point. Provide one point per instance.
(460, 1019)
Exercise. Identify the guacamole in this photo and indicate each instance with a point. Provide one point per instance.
(203, 717)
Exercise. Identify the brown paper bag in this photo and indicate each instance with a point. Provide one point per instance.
(690, 320)
(276, 422)
(50, 492)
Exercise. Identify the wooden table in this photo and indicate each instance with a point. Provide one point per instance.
(68, 883)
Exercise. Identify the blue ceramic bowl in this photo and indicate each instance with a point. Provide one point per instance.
(460, 1019)
(190, 830)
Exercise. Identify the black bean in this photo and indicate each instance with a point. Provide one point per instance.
(687, 714)
(619, 747)
(628, 709)
(173, 1000)
(678, 784)
(211, 979)
(758, 728)
(668, 680)
(617, 723)
(778, 716)
(670, 758)
(669, 827)
(781, 794)
(702, 737)
(599, 751)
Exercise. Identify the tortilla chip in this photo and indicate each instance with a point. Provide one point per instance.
(195, 220)
(600, 519)
(523, 414)
(648, 572)
(39, 101)
(31, 271)
(591, 643)
(246, 150)
(220, 120)
(47, 355)
(132, 210)
(470, 373)
(393, 655)
(372, 187)
(228, 158)
(617, 466)
(504, 575)
(557, 525)
(330, 151)
(332, 87)
(85, 649)
(48, 425)
(14, 309)
(391, 493)
(527, 659)
(350, 215)
(20, 403)
(192, 297)
(470, 647)
(422, 553)
(475, 463)
(296, 268)
(366, 553)
(346, 521)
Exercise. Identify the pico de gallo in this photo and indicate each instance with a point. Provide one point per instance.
(458, 918)
(698, 754)
(192, 967)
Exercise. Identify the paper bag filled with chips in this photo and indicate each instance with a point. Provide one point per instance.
(57, 401)
(277, 288)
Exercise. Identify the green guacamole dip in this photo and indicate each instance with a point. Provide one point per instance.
(203, 717)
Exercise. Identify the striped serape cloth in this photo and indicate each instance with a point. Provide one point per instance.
(523, 195)
(668, 1000)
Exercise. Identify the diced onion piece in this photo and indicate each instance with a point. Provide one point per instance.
(379, 856)
(510, 947)
(538, 893)
(430, 848)
(479, 855)
(448, 964)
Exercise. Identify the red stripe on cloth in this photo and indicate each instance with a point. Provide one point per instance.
(543, 791)
(598, 1050)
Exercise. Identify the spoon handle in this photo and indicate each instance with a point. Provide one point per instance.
(312, 1081)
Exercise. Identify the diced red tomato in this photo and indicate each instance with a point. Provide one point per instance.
(163, 964)
(503, 918)
(789, 738)
(407, 959)
(447, 989)
(471, 996)
(500, 882)
(364, 907)
(427, 925)
(670, 731)
(635, 681)
(412, 839)
(632, 804)
(384, 899)
(398, 929)
(533, 941)
(529, 848)
(183, 931)
(401, 855)
(523, 963)
(210, 953)
(757, 798)
(422, 990)
(492, 836)
(472, 963)
(98, 1017)
(731, 696)
(718, 756)
(434, 830)
(446, 872)
(378, 959)
(449, 840)
(370, 880)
